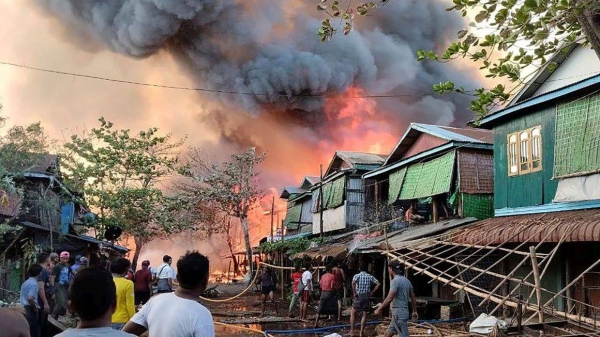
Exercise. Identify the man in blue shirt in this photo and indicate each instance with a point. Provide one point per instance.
(401, 291)
(29, 299)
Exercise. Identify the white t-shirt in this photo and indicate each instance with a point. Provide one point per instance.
(305, 277)
(165, 271)
(173, 316)
(94, 332)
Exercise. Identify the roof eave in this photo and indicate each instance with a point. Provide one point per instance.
(490, 121)
(426, 154)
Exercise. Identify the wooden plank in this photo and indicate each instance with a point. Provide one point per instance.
(538, 282)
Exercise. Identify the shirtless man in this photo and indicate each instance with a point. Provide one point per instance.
(13, 323)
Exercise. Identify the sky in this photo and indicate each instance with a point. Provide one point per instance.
(255, 46)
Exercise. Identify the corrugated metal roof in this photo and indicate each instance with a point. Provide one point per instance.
(334, 251)
(312, 179)
(583, 226)
(397, 240)
(356, 158)
(469, 135)
(289, 190)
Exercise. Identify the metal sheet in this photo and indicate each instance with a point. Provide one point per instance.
(526, 227)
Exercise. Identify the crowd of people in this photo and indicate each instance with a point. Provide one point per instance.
(107, 297)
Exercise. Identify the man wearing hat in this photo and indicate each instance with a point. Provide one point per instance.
(401, 291)
(61, 278)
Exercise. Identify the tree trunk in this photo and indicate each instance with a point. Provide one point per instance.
(244, 220)
(138, 248)
(590, 23)
(236, 267)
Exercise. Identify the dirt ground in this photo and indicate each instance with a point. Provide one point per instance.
(248, 307)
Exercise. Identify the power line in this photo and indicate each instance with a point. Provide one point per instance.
(216, 91)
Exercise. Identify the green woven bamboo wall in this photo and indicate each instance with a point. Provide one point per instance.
(430, 178)
(577, 147)
(292, 216)
(480, 206)
(396, 180)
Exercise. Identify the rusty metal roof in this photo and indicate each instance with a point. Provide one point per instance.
(580, 226)
(334, 251)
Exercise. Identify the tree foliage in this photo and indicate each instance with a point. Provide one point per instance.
(230, 188)
(123, 176)
(506, 37)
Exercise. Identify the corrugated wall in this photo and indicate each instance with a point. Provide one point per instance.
(306, 216)
(355, 201)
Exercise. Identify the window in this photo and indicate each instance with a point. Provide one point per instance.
(524, 151)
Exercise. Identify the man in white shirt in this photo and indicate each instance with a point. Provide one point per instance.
(165, 275)
(307, 291)
(178, 314)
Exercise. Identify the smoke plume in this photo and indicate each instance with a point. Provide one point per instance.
(274, 84)
(268, 49)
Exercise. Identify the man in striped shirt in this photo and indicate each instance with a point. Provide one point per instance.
(361, 290)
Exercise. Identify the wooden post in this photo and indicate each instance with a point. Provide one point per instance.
(321, 206)
(272, 215)
(568, 280)
(434, 204)
(538, 282)
(283, 258)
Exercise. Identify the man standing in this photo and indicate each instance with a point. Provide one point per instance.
(93, 299)
(76, 264)
(361, 290)
(29, 299)
(267, 288)
(400, 291)
(165, 275)
(338, 286)
(178, 314)
(44, 292)
(143, 283)
(125, 307)
(296, 278)
(307, 288)
(61, 278)
(328, 296)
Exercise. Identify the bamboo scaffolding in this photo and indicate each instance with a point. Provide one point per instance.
(565, 289)
(484, 247)
(518, 266)
(496, 299)
(482, 236)
(467, 248)
(548, 258)
(494, 264)
(495, 248)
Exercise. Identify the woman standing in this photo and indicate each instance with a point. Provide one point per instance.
(267, 283)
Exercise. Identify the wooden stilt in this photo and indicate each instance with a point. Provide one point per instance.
(538, 282)
(568, 280)
(434, 204)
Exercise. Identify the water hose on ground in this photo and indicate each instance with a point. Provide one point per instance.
(236, 296)
(335, 327)
(243, 328)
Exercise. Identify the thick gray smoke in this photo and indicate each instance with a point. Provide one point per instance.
(268, 48)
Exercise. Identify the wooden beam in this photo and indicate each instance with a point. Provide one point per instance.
(485, 247)
(538, 282)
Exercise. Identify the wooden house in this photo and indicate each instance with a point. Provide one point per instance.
(546, 186)
(298, 217)
(437, 172)
(43, 217)
(342, 188)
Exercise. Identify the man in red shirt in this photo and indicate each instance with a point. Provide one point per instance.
(143, 284)
(338, 285)
(296, 278)
(328, 300)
